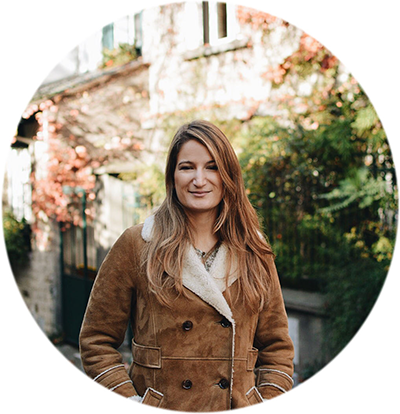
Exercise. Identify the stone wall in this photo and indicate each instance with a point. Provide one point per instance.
(210, 76)
(39, 281)
(306, 326)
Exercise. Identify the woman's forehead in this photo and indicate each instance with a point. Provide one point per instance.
(194, 150)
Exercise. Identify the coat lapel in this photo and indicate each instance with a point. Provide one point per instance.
(196, 278)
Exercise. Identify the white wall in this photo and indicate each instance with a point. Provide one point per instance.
(87, 56)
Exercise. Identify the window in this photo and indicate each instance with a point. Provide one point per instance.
(222, 22)
(219, 22)
(206, 23)
(122, 31)
(107, 40)
(137, 19)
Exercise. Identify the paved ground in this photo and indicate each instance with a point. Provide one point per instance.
(71, 353)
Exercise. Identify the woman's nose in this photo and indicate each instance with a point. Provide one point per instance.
(199, 178)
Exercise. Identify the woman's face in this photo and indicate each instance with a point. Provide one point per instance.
(198, 183)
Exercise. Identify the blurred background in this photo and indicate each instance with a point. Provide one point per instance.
(88, 156)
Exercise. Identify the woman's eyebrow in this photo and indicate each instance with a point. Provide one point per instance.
(185, 162)
(191, 162)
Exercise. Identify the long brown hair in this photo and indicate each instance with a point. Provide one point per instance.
(237, 224)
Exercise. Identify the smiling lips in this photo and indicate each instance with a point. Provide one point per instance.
(199, 193)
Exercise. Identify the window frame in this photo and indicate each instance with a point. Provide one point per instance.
(211, 23)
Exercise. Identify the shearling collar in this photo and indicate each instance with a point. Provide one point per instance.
(147, 229)
(207, 285)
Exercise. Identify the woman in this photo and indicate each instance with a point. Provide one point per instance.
(198, 284)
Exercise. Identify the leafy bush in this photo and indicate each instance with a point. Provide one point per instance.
(17, 238)
(121, 55)
(352, 286)
(326, 192)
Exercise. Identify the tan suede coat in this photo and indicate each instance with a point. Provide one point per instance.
(204, 354)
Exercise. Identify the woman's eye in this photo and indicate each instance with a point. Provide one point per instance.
(185, 167)
(212, 167)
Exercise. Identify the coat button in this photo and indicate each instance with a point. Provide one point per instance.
(187, 325)
(225, 323)
(223, 383)
(186, 384)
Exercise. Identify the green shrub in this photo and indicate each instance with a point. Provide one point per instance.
(352, 287)
(17, 238)
(121, 55)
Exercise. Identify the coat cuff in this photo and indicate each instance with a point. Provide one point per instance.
(272, 382)
(116, 379)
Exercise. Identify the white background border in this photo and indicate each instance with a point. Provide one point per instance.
(36, 35)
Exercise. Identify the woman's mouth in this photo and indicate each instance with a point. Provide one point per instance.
(199, 193)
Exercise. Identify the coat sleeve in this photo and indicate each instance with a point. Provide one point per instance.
(274, 368)
(106, 318)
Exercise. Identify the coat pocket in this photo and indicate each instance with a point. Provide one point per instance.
(152, 397)
(253, 396)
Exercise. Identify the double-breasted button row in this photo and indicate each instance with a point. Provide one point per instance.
(223, 384)
(188, 325)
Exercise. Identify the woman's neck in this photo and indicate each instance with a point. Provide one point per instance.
(202, 230)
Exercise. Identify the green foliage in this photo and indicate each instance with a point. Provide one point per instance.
(322, 179)
(121, 55)
(16, 237)
(328, 214)
(316, 175)
(149, 181)
(352, 287)
(360, 187)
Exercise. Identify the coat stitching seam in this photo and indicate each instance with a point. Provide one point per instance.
(107, 370)
(278, 372)
(204, 358)
(122, 383)
(271, 384)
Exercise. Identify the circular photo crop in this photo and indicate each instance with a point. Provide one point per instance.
(193, 310)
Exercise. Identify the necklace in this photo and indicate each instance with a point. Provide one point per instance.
(208, 258)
